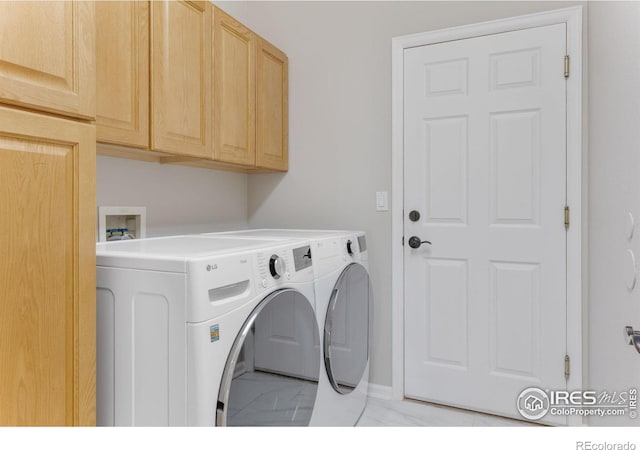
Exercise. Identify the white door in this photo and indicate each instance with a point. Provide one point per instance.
(485, 166)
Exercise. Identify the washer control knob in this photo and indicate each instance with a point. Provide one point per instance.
(350, 247)
(277, 266)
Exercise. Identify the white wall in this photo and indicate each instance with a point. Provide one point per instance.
(614, 191)
(340, 120)
(178, 199)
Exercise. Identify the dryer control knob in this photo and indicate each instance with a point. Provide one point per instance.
(277, 266)
(350, 247)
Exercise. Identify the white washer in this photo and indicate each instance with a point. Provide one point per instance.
(184, 327)
(344, 307)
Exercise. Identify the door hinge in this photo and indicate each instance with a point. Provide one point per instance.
(566, 66)
(567, 367)
(567, 215)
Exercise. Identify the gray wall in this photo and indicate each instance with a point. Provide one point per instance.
(340, 120)
(614, 191)
(178, 199)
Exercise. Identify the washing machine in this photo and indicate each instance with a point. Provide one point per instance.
(185, 332)
(344, 308)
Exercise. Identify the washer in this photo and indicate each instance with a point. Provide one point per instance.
(344, 307)
(185, 332)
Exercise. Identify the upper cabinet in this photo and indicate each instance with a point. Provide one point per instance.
(181, 113)
(51, 66)
(272, 111)
(217, 92)
(122, 62)
(234, 91)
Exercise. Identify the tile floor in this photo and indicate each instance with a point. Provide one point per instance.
(410, 413)
(288, 401)
(263, 399)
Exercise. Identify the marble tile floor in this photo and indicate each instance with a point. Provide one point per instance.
(264, 399)
(411, 413)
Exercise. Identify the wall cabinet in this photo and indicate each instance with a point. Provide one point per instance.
(47, 56)
(122, 69)
(218, 92)
(47, 270)
(181, 114)
(235, 93)
(272, 107)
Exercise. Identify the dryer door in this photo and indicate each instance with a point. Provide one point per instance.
(251, 395)
(347, 329)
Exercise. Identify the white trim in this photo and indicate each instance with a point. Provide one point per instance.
(573, 19)
(380, 391)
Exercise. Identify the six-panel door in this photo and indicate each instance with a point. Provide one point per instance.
(485, 165)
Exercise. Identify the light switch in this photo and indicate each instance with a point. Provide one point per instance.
(382, 202)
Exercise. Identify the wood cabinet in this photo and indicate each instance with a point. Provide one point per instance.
(234, 91)
(181, 66)
(122, 72)
(272, 107)
(217, 91)
(47, 56)
(47, 270)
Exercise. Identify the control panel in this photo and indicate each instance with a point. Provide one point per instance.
(302, 257)
(283, 265)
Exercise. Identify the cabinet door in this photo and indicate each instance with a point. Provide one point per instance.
(234, 91)
(181, 77)
(122, 72)
(47, 56)
(47, 270)
(272, 108)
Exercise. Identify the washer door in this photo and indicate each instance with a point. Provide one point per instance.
(347, 329)
(282, 394)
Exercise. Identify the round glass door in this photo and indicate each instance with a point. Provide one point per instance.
(271, 376)
(347, 327)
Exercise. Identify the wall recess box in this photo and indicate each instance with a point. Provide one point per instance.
(130, 218)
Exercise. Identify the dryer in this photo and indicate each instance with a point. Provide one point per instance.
(344, 308)
(183, 325)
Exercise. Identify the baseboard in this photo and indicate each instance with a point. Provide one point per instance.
(380, 391)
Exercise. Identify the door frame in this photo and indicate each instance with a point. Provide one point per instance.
(572, 17)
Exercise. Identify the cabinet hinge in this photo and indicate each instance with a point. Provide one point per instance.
(566, 66)
(567, 215)
(567, 367)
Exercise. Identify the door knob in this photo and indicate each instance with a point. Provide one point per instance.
(416, 242)
(632, 337)
(414, 216)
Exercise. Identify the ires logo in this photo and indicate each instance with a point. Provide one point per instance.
(534, 403)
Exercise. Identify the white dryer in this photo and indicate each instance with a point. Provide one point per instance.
(181, 327)
(344, 308)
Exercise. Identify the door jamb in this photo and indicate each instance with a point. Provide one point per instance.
(572, 17)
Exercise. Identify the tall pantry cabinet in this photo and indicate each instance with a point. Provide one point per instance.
(47, 213)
